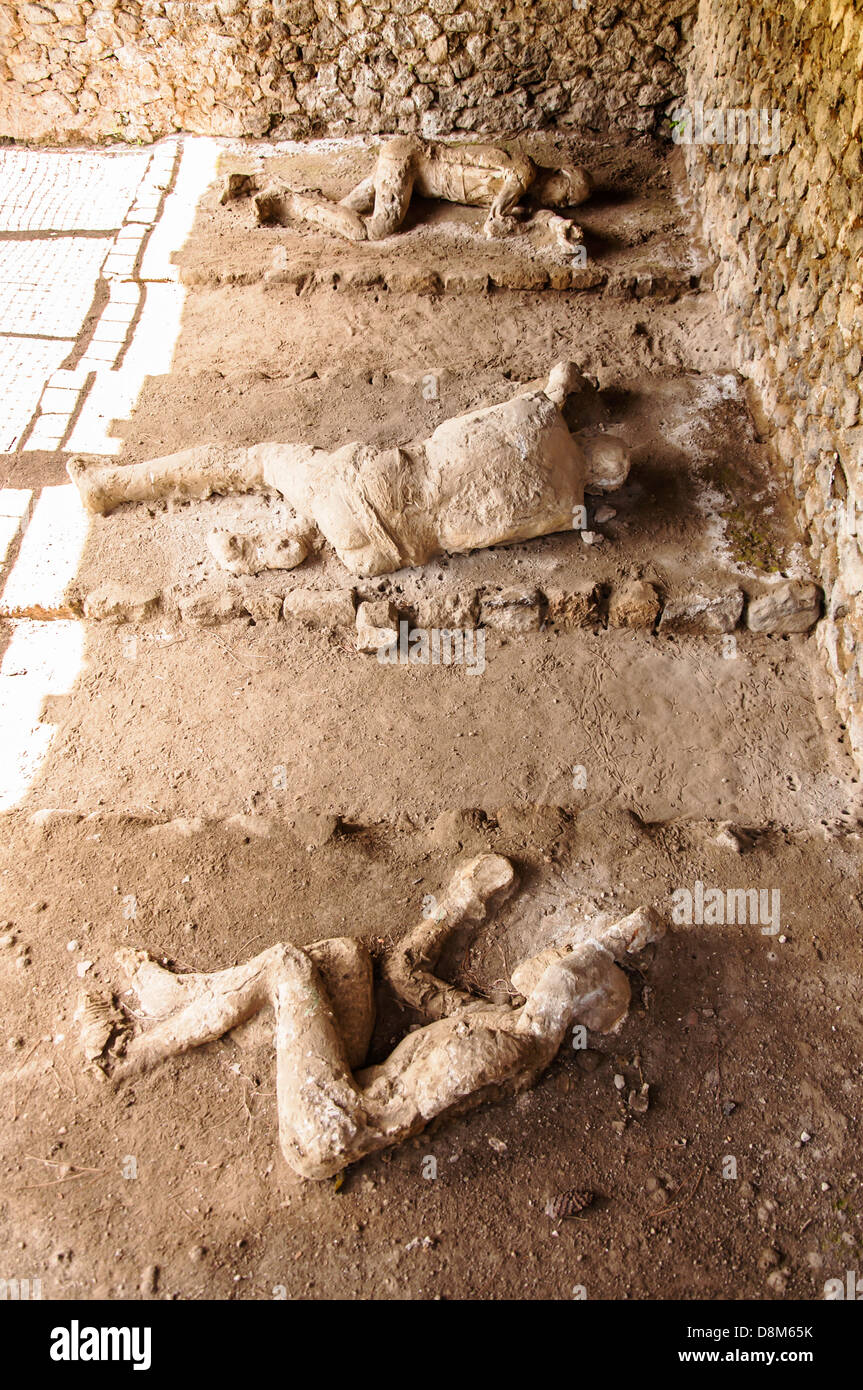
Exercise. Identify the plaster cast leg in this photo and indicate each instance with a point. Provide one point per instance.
(197, 472)
(190, 1010)
(394, 183)
(333, 217)
(321, 1115)
(185, 1009)
(322, 1120)
(384, 197)
(200, 472)
(361, 198)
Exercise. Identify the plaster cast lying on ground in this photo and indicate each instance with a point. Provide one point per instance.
(330, 1113)
(509, 472)
(476, 175)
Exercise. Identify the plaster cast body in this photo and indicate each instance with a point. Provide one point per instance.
(331, 1110)
(474, 175)
(505, 473)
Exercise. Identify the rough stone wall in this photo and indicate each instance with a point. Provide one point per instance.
(786, 229)
(79, 70)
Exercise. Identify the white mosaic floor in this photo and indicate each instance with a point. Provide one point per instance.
(76, 228)
(42, 191)
(46, 287)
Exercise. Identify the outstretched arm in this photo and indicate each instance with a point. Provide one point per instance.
(475, 891)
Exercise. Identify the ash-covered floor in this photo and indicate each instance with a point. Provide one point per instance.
(204, 788)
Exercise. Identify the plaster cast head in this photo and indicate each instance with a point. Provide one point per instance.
(562, 188)
(608, 462)
(585, 986)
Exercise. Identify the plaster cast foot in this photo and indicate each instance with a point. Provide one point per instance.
(159, 991)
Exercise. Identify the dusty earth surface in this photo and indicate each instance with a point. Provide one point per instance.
(210, 790)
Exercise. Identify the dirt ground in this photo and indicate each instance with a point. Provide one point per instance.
(209, 791)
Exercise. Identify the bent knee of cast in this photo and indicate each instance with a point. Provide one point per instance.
(384, 223)
(400, 147)
(284, 965)
(350, 948)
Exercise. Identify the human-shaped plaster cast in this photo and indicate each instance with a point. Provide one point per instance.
(473, 174)
(504, 473)
(332, 1110)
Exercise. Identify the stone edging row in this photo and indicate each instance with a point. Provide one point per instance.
(790, 606)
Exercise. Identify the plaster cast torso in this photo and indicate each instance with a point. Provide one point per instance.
(471, 174)
(506, 473)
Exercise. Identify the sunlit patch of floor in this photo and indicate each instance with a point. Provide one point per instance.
(41, 659)
(112, 394)
(46, 286)
(26, 364)
(49, 556)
